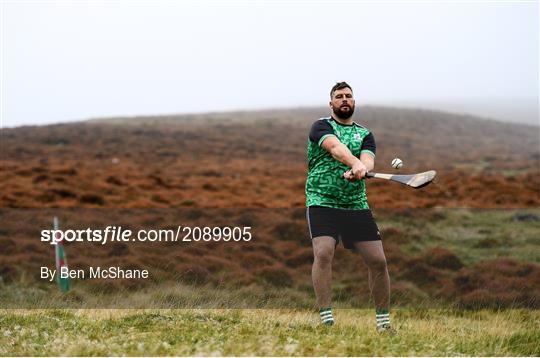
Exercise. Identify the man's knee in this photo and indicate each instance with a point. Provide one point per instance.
(323, 254)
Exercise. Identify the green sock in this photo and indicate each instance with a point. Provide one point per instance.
(326, 316)
(383, 317)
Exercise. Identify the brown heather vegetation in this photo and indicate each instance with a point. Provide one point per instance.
(258, 160)
(248, 169)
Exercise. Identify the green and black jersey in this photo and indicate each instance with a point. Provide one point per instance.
(325, 185)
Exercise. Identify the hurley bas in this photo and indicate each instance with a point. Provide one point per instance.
(98, 272)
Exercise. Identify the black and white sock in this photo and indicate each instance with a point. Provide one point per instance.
(383, 318)
(326, 316)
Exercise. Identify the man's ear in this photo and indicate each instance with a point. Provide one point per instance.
(330, 104)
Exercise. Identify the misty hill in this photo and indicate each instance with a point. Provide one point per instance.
(258, 159)
(248, 169)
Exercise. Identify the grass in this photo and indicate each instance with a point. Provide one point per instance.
(427, 330)
(266, 332)
(161, 296)
(473, 235)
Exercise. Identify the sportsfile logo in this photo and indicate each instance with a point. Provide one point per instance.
(111, 233)
(118, 234)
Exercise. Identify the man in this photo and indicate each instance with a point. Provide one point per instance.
(340, 153)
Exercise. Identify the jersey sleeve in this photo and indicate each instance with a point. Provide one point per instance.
(368, 145)
(320, 130)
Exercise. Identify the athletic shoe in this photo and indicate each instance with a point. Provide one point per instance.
(386, 329)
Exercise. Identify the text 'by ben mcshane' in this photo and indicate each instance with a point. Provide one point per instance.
(97, 272)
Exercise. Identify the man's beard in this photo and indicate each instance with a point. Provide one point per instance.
(343, 114)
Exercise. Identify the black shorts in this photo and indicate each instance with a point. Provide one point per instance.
(349, 226)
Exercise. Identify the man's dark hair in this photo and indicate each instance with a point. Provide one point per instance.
(338, 86)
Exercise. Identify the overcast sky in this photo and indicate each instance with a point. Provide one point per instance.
(72, 60)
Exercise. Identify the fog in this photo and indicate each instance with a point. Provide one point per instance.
(64, 61)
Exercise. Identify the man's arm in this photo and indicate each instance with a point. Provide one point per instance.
(369, 160)
(340, 152)
(367, 151)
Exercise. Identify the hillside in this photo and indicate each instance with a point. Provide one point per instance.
(257, 159)
(469, 239)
